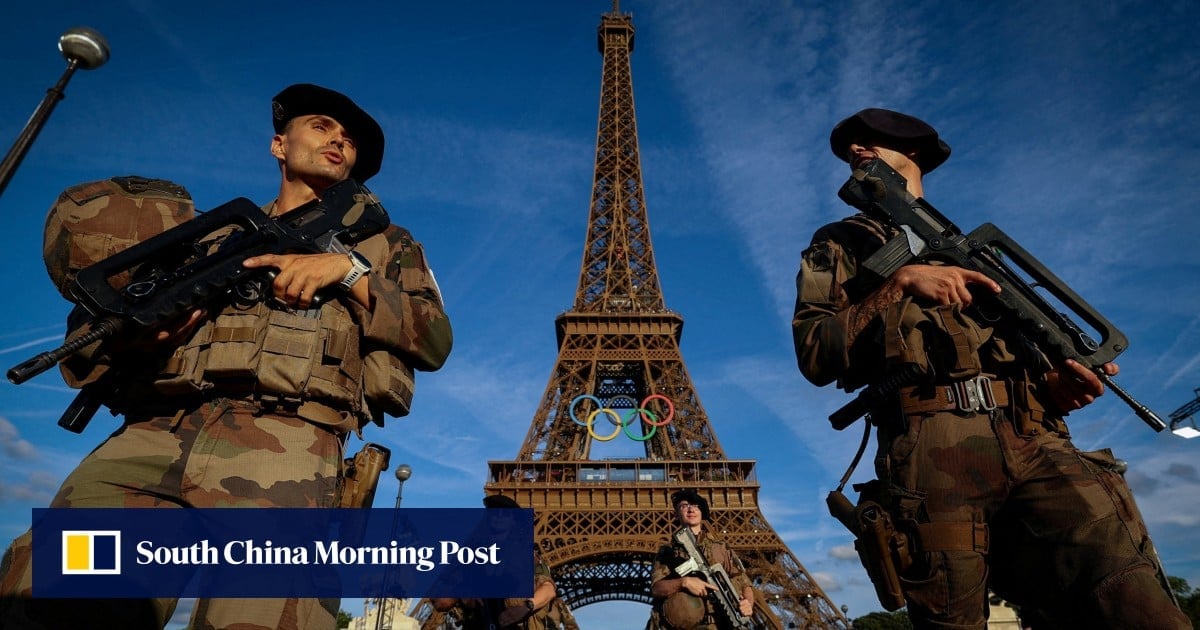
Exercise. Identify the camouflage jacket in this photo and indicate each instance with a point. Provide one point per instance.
(715, 551)
(948, 341)
(406, 320)
(478, 614)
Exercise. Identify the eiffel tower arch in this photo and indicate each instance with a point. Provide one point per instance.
(620, 375)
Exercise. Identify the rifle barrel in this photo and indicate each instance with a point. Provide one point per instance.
(1145, 413)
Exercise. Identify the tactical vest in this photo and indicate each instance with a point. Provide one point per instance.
(942, 339)
(312, 365)
(950, 344)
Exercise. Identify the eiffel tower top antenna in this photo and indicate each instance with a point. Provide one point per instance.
(618, 274)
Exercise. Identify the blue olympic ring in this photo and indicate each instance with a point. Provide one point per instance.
(622, 424)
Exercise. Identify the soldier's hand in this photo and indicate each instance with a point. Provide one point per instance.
(1074, 386)
(696, 586)
(746, 607)
(171, 333)
(941, 284)
(302, 275)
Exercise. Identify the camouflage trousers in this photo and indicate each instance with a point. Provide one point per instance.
(219, 455)
(1065, 535)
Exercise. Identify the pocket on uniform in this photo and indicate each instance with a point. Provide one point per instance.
(387, 383)
(182, 374)
(902, 445)
(289, 347)
(236, 339)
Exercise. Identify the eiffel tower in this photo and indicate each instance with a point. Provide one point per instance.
(619, 374)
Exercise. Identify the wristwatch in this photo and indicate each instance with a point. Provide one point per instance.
(359, 266)
(529, 604)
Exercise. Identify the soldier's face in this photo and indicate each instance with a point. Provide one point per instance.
(865, 150)
(689, 513)
(316, 149)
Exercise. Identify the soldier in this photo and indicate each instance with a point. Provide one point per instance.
(559, 616)
(975, 463)
(512, 613)
(682, 602)
(216, 417)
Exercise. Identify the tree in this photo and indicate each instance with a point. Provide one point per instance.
(1189, 599)
(343, 619)
(897, 620)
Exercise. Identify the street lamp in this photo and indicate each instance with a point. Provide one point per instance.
(403, 473)
(82, 47)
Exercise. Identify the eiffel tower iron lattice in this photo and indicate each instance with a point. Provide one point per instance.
(599, 523)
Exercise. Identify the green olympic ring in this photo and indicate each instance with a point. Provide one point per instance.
(622, 424)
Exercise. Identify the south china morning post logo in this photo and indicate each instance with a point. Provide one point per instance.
(91, 552)
(281, 552)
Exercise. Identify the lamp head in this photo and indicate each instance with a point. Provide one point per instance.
(403, 472)
(85, 46)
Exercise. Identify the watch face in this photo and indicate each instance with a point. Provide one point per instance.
(362, 260)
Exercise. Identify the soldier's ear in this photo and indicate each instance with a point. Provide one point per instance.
(278, 146)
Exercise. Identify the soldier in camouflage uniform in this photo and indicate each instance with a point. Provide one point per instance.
(250, 406)
(559, 616)
(975, 462)
(682, 603)
(512, 613)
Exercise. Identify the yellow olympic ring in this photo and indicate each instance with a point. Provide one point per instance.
(591, 424)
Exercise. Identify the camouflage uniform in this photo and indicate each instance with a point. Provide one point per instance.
(995, 499)
(716, 552)
(232, 446)
(477, 614)
(559, 617)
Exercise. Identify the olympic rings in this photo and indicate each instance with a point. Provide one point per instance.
(622, 424)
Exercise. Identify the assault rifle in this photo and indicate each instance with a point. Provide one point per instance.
(926, 235)
(726, 597)
(177, 271)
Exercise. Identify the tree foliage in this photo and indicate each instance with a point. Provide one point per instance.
(343, 619)
(1189, 599)
(897, 620)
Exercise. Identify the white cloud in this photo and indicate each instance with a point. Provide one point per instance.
(843, 552)
(11, 443)
(828, 581)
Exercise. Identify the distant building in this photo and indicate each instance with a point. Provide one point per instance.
(393, 616)
(1002, 615)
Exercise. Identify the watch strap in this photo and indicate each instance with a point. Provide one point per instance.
(359, 266)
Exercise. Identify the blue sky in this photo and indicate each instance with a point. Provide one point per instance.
(1072, 124)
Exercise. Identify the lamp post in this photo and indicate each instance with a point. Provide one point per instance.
(82, 47)
(403, 472)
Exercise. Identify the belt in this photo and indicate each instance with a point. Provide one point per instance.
(974, 394)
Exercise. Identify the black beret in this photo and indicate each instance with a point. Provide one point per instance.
(693, 497)
(499, 501)
(303, 99)
(900, 132)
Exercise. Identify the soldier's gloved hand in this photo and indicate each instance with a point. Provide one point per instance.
(514, 615)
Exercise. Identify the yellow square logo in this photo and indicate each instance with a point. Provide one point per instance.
(91, 552)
